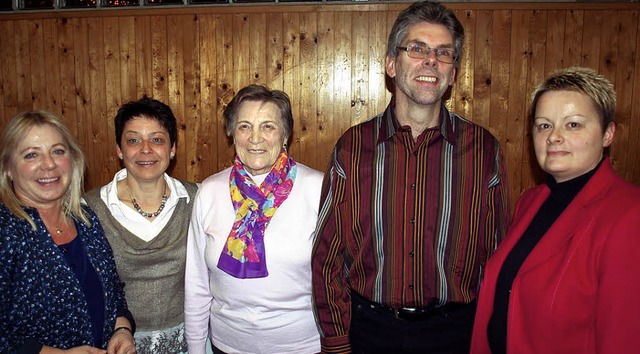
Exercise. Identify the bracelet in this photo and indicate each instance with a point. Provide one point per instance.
(122, 329)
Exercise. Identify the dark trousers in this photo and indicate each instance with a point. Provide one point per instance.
(377, 330)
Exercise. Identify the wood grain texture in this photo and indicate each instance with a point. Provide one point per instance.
(83, 65)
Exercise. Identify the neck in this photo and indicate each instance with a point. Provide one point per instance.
(418, 117)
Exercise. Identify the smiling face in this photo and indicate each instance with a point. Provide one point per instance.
(567, 134)
(41, 168)
(145, 149)
(258, 135)
(422, 81)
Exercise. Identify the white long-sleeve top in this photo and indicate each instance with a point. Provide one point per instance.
(262, 315)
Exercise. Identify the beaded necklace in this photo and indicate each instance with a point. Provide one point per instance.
(136, 206)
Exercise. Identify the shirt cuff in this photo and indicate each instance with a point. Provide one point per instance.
(336, 345)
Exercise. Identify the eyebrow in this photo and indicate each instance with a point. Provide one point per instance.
(444, 46)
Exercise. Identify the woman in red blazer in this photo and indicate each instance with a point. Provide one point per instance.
(566, 279)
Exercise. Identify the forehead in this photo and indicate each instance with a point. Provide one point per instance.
(258, 111)
(38, 135)
(430, 33)
(567, 102)
(143, 123)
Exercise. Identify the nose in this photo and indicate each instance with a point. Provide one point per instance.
(48, 163)
(554, 136)
(431, 59)
(144, 147)
(254, 136)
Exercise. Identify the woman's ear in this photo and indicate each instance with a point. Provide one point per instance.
(607, 138)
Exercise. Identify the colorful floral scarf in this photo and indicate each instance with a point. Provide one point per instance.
(243, 256)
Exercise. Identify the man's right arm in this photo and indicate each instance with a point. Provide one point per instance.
(332, 304)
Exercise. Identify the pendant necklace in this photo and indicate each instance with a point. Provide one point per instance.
(136, 206)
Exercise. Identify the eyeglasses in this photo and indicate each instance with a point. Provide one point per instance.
(419, 51)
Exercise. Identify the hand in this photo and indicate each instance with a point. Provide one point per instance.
(121, 343)
(84, 349)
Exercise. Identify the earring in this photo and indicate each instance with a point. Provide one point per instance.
(284, 146)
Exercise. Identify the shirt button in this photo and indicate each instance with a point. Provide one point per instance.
(412, 220)
(411, 286)
(411, 254)
(413, 186)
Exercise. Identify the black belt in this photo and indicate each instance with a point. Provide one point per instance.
(414, 313)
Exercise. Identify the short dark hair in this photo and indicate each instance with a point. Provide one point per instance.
(431, 12)
(147, 108)
(261, 94)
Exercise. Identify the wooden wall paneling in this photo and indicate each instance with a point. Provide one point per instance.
(52, 67)
(499, 118)
(306, 91)
(624, 26)
(633, 159)
(536, 74)
(83, 98)
(326, 138)
(293, 77)
(591, 38)
(23, 65)
(378, 32)
(461, 101)
(127, 55)
(204, 163)
(360, 30)
(191, 99)
(159, 57)
(37, 67)
(241, 48)
(342, 95)
(114, 90)
(179, 32)
(8, 72)
(143, 54)
(274, 52)
(225, 74)
(517, 143)
(573, 29)
(102, 151)
(256, 51)
(607, 64)
(66, 54)
(555, 42)
(483, 45)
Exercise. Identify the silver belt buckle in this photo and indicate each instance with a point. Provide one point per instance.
(397, 312)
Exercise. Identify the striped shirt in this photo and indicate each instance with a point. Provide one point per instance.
(404, 222)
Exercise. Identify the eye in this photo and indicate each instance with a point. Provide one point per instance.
(59, 152)
(446, 53)
(243, 126)
(157, 140)
(30, 156)
(573, 125)
(416, 49)
(543, 126)
(269, 126)
(132, 141)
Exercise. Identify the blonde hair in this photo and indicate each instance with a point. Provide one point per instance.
(14, 133)
(583, 80)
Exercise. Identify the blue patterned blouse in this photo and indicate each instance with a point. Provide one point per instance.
(41, 299)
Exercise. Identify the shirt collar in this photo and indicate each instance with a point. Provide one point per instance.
(390, 125)
(177, 189)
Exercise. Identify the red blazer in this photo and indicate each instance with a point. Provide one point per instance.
(578, 292)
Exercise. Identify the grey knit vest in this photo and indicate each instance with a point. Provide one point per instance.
(153, 272)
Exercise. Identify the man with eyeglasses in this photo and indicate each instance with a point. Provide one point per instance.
(413, 204)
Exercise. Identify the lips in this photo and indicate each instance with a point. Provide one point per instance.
(430, 79)
(48, 180)
(145, 163)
